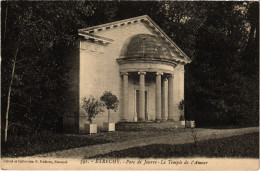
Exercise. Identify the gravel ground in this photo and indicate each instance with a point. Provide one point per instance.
(130, 140)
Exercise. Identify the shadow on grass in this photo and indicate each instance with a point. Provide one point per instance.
(243, 146)
(28, 145)
(226, 127)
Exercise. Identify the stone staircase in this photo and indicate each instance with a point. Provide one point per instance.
(148, 126)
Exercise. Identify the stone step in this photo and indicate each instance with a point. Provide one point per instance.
(147, 126)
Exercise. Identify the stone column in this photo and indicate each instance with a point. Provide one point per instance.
(170, 98)
(125, 96)
(163, 99)
(142, 96)
(158, 100)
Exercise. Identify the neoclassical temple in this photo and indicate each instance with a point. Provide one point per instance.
(135, 60)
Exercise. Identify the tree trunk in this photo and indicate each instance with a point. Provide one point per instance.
(5, 19)
(10, 90)
(8, 101)
(108, 111)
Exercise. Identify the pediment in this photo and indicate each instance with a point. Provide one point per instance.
(92, 33)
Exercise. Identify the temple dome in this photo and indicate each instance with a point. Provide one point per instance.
(145, 46)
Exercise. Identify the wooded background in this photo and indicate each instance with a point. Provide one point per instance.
(221, 38)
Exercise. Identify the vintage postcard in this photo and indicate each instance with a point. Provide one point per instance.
(122, 85)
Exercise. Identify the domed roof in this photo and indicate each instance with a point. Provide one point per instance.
(146, 46)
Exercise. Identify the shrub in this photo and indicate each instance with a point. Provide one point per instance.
(181, 105)
(92, 107)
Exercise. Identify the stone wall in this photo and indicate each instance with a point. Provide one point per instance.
(178, 90)
(71, 96)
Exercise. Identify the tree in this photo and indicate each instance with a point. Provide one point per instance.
(251, 58)
(32, 36)
(92, 107)
(215, 92)
(111, 102)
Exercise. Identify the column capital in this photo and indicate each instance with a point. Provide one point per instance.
(139, 73)
(159, 73)
(165, 78)
(170, 76)
(123, 73)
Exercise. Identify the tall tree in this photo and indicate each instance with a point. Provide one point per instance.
(215, 81)
(37, 29)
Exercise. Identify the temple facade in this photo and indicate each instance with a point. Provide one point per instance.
(135, 60)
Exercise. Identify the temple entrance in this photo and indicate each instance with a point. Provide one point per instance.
(137, 104)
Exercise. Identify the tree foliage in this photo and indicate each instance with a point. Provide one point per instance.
(44, 29)
(92, 107)
(217, 91)
(110, 100)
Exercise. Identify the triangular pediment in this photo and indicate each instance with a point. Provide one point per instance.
(92, 34)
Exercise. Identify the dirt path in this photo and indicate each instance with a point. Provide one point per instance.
(176, 138)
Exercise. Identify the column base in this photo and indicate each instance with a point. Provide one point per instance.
(157, 120)
(141, 120)
(170, 120)
(163, 120)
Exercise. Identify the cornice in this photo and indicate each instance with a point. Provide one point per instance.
(147, 60)
(174, 61)
(95, 38)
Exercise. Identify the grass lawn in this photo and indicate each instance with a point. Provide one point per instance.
(237, 146)
(120, 136)
(42, 143)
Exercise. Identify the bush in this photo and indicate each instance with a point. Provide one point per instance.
(92, 107)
